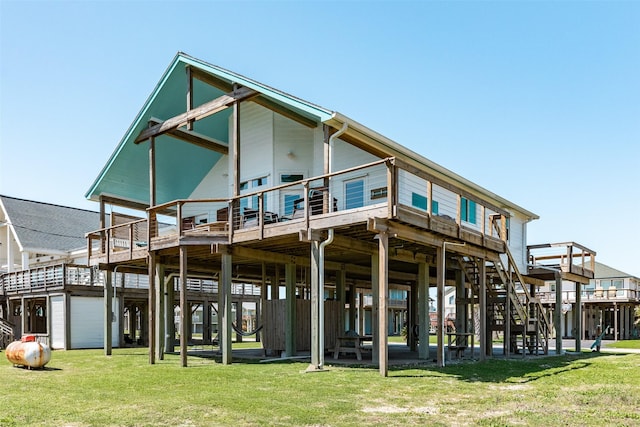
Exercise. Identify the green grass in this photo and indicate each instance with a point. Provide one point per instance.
(85, 388)
(634, 344)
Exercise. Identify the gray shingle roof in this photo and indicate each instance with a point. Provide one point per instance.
(605, 272)
(46, 226)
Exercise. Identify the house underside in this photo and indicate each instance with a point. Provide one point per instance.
(369, 249)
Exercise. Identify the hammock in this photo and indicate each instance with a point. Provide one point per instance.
(240, 332)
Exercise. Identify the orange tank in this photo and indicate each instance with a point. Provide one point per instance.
(28, 352)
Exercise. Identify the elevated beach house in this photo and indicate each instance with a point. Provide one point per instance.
(315, 209)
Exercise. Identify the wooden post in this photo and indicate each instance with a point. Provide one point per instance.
(353, 309)
(485, 335)
(423, 311)
(412, 317)
(238, 319)
(461, 302)
(151, 305)
(375, 301)
(189, 96)
(151, 255)
(615, 321)
(206, 322)
(315, 307)
(108, 312)
(275, 283)
(506, 344)
(578, 314)
(440, 278)
(341, 277)
(557, 313)
(224, 307)
(236, 146)
(159, 309)
(290, 326)
(169, 325)
(263, 298)
(383, 304)
(184, 308)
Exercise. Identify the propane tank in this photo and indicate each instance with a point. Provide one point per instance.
(28, 352)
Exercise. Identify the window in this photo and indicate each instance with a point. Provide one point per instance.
(249, 187)
(289, 200)
(354, 194)
(290, 177)
(379, 193)
(468, 210)
(419, 201)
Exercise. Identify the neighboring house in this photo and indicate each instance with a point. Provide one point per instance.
(45, 283)
(608, 302)
(47, 288)
(265, 188)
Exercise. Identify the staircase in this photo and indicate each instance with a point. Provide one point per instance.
(511, 308)
(6, 333)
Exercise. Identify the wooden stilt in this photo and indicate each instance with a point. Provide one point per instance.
(423, 310)
(159, 309)
(224, 308)
(151, 306)
(440, 277)
(184, 309)
(383, 295)
(485, 334)
(375, 301)
(290, 327)
(108, 312)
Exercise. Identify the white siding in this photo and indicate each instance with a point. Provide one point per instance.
(57, 321)
(409, 184)
(447, 201)
(517, 242)
(87, 319)
(293, 154)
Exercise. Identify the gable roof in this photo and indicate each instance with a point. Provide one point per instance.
(44, 227)
(603, 271)
(185, 165)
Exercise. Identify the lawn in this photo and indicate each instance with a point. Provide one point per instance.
(85, 388)
(625, 344)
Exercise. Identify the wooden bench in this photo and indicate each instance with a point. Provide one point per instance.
(356, 348)
(457, 343)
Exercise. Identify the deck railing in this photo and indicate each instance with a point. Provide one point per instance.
(593, 295)
(388, 184)
(47, 278)
(569, 257)
(55, 277)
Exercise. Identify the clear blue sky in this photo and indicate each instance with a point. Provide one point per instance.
(536, 101)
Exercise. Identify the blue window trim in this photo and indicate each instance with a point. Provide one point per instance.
(468, 210)
(419, 201)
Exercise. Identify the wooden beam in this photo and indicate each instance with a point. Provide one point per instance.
(196, 138)
(211, 80)
(189, 96)
(205, 110)
(410, 234)
(286, 112)
(260, 100)
(275, 257)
